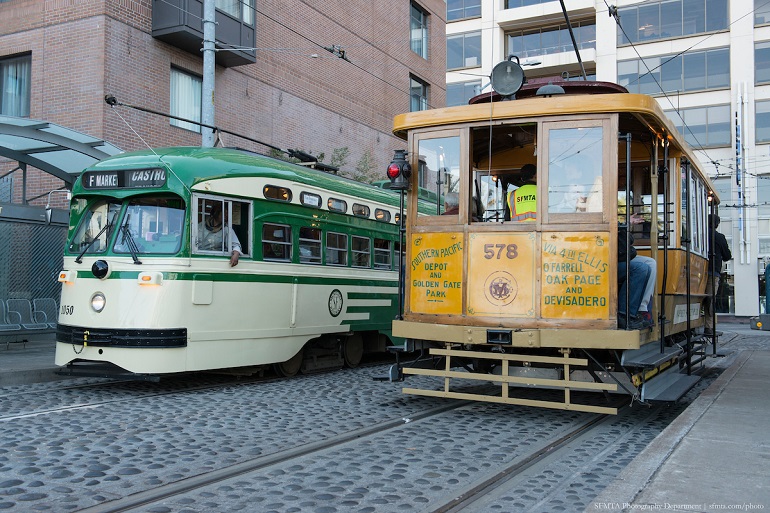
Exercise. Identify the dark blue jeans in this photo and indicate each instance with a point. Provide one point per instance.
(637, 279)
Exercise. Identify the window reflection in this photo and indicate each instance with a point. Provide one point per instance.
(575, 170)
(440, 167)
(96, 227)
(650, 21)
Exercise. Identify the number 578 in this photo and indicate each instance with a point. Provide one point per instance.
(497, 250)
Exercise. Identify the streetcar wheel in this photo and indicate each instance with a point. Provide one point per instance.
(353, 350)
(291, 366)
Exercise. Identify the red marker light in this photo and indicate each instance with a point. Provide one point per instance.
(393, 171)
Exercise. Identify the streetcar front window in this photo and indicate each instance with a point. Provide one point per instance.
(152, 225)
(575, 170)
(439, 172)
(96, 227)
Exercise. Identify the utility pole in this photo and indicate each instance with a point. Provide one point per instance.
(209, 61)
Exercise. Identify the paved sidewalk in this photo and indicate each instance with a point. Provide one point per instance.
(30, 362)
(715, 457)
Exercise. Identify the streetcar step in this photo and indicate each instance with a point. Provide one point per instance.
(649, 355)
(668, 387)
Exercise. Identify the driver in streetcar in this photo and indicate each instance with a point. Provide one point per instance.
(211, 232)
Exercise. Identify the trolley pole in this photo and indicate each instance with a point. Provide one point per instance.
(209, 61)
(401, 241)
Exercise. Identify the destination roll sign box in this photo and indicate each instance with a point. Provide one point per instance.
(124, 179)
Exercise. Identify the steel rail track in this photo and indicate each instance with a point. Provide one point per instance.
(231, 381)
(142, 499)
(477, 491)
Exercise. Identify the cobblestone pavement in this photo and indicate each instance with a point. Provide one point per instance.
(138, 436)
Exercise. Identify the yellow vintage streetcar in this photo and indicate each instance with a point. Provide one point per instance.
(520, 284)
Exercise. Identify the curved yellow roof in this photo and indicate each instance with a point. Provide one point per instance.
(644, 107)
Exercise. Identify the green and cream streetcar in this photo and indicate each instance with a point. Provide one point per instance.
(314, 283)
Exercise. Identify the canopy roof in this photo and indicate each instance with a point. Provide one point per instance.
(57, 150)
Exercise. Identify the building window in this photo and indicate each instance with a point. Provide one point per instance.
(186, 99)
(419, 31)
(15, 85)
(763, 213)
(762, 123)
(761, 12)
(762, 62)
(651, 21)
(693, 71)
(460, 93)
(463, 50)
(513, 4)
(418, 94)
(704, 127)
(549, 40)
(238, 9)
(461, 9)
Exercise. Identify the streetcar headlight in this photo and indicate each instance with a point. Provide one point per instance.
(101, 269)
(98, 301)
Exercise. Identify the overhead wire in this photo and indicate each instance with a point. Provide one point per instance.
(315, 43)
(614, 14)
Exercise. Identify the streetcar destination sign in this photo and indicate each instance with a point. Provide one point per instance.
(120, 179)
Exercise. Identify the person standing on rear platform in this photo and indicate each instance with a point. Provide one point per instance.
(719, 252)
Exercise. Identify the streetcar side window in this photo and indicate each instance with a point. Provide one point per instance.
(361, 251)
(382, 257)
(276, 242)
(336, 248)
(309, 199)
(337, 205)
(309, 245)
(361, 210)
(275, 192)
(382, 215)
(221, 226)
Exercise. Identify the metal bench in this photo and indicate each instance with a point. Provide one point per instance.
(19, 321)
(45, 310)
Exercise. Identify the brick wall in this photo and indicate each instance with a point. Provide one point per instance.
(84, 49)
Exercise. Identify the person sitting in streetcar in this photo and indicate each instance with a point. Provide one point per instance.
(451, 204)
(631, 290)
(645, 306)
(211, 235)
(522, 202)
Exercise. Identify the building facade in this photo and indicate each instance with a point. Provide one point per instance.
(707, 62)
(322, 77)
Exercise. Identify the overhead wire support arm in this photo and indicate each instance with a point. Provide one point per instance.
(337, 51)
(112, 101)
(574, 43)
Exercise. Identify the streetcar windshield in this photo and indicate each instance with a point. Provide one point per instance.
(151, 225)
(96, 227)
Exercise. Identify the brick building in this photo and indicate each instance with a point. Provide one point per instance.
(284, 85)
(280, 79)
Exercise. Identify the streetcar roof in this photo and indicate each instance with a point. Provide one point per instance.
(193, 164)
(644, 108)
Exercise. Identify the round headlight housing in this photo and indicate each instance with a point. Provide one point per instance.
(98, 301)
(100, 269)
